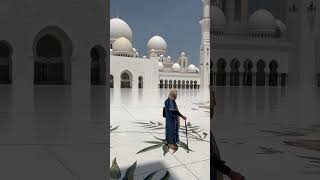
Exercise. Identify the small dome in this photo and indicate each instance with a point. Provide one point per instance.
(182, 54)
(281, 26)
(157, 43)
(144, 57)
(176, 67)
(192, 68)
(122, 45)
(262, 21)
(134, 50)
(219, 19)
(169, 57)
(161, 67)
(119, 28)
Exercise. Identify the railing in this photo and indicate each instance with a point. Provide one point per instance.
(219, 35)
(250, 79)
(49, 60)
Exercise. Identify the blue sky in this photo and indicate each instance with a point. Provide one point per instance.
(175, 20)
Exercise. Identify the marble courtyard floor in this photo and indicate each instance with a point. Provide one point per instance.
(136, 117)
(48, 132)
(269, 133)
(53, 133)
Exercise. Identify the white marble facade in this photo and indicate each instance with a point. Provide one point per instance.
(177, 73)
(259, 49)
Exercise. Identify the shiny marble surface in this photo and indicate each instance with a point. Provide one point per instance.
(252, 126)
(53, 132)
(129, 106)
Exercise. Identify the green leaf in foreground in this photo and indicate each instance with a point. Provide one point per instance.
(205, 135)
(130, 172)
(150, 148)
(113, 129)
(152, 122)
(115, 172)
(184, 146)
(164, 140)
(140, 123)
(166, 176)
(149, 177)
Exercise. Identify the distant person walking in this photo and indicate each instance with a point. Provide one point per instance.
(172, 115)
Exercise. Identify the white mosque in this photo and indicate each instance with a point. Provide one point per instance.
(156, 69)
(261, 50)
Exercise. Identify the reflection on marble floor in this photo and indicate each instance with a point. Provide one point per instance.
(269, 133)
(138, 116)
(53, 132)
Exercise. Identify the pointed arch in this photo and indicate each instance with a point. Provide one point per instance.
(260, 74)
(52, 50)
(221, 72)
(98, 65)
(235, 73)
(247, 75)
(6, 52)
(273, 75)
(140, 82)
(126, 79)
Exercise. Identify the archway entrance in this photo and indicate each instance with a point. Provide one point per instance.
(221, 72)
(98, 69)
(126, 79)
(161, 83)
(5, 62)
(196, 86)
(261, 75)
(247, 75)
(235, 73)
(273, 76)
(140, 85)
(52, 51)
(183, 84)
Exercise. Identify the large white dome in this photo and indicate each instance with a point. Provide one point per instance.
(176, 67)
(219, 19)
(119, 28)
(157, 43)
(161, 67)
(262, 21)
(122, 46)
(281, 26)
(192, 68)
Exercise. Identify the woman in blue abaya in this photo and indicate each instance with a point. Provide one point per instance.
(172, 115)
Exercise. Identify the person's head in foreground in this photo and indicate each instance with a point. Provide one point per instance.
(173, 94)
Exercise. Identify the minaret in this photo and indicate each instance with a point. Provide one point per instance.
(205, 45)
(302, 32)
